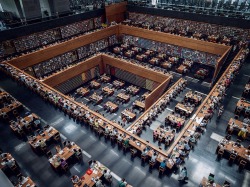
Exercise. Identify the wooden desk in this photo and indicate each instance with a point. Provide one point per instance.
(83, 91)
(243, 153)
(3, 160)
(29, 119)
(154, 61)
(167, 65)
(141, 57)
(123, 97)
(124, 46)
(108, 91)
(139, 104)
(47, 135)
(117, 50)
(86, 179)
(245, 104)
(160, 158)
(137, 145)
(3, 94)
(136, 49)
(161, 56)
(173, 119)
(133, 90)
(181, 69)
(193, 97)
(164, 133)
(129, 53)
(118, 84)
(182, 107)
(96, 98)
(111, 106)
(65, 154)
(11, 107)
(128, 115)
(94, 84)
(238, 125)
(26, 182)
(105, 78)
(205, 183)
(149, 52)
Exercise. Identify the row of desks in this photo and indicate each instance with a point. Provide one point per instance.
(15, 126)
(27, 181)
(66, 153)
(46, 136)
(229, 146)
(93, 173)
(139, 122)
(202, 110)
(11, 107)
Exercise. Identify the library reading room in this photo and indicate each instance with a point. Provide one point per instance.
(136, 93)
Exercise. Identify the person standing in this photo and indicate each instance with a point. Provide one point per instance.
(183, 174)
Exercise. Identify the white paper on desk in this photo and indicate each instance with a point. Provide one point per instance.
(95, 171)
(198, 120)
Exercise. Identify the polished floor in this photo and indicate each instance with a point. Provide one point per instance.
(200, 162)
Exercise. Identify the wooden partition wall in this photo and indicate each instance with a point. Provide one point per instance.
(190, 43)
(133, 68)
(55, 50)
(220, 63)
(156, 93)
(73, 71)
(116, 12)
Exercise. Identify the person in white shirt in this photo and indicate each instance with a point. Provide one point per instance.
(153, 158)
(107, 175)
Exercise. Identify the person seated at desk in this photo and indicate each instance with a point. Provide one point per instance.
(94, 164)
(21, 179)
(2, 114)
(122, 183)
(163, 164)
(75, 179)
(153, 158)
(178, 161)
(42, 143)
(186, 146)
(107, 175)
(98, 183)
(107, 130)
(63, 162)
(237, 144)
(192, 140)
(10, 163)
(67, 144)
(119, 137)
(113, 132)
(246, 120)
(78, 152)
(4, 155)
(243, 132)
(203, 123)
(178, 125)
(126, 142)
